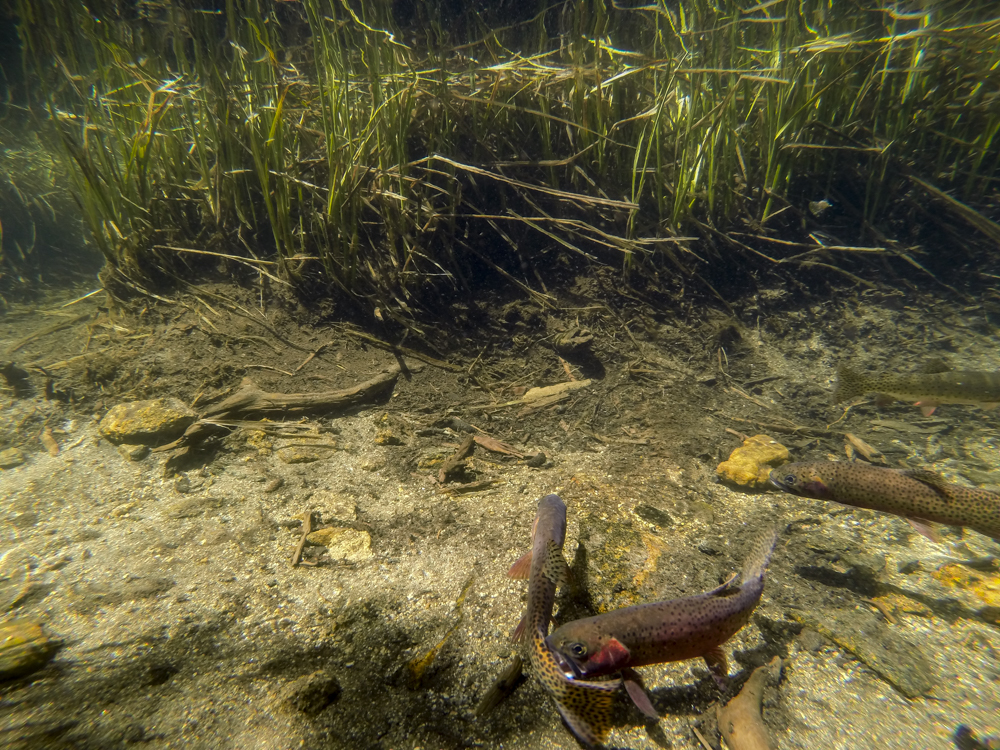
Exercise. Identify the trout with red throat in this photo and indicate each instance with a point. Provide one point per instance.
(920, 496)
(672, 630)
(584, 706)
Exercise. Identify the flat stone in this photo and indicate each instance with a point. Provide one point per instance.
(152, 422)
(294, 454)
(11, 458)
(333, 506)
(894, 658)
(133, 452)
(342, 543)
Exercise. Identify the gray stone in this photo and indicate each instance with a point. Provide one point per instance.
(894, 658)
(11, 458)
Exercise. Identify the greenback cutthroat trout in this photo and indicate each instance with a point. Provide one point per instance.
(920, 496)
(585, 706)
(925, 389)
(672, 630)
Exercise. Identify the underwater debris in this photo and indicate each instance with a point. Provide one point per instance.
(740, 722)
(748, 465)
(11, 458)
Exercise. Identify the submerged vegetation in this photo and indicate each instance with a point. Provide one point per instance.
(395, 152)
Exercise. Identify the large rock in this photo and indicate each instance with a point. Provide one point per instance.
(152, 422)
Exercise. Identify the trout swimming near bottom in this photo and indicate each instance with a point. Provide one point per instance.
(926, 389)
(922, 497)
(585, 707)
(672, 630)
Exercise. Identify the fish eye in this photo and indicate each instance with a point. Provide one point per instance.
(790, 479)
(578, 649)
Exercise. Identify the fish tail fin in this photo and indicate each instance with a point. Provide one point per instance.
(757, 561)
(592, 725)
(850, 384)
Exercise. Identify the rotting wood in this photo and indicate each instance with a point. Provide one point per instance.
(403, 351)
(307, 528)
(20, 343)
(456, 460)
(498, 446)
(740, 722)
(249, 402)
(871, 454)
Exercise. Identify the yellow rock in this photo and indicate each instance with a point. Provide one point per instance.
(24, 648)
(297, 454)
(749, 465)
(986, 586)
(158, 420)
(342, 543)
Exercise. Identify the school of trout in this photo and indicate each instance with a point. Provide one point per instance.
(570, 661)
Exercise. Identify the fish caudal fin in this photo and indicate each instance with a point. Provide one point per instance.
(586, 709)
(850, 384)
(505, 684)
(760, 555)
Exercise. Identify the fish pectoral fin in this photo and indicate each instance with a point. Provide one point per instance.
(518, 633)
(925, 528)
(926, 408)
(718, 665)
(521, 567)
(637, 692)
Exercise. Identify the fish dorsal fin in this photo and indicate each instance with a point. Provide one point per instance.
(931, 478)
(730, 587)
(556, 569)
(521, 567)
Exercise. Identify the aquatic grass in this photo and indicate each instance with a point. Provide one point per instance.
(390, 163)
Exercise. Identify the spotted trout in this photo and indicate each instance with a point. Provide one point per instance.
(672, 630)
(584, 706)
(922, 497)
(925, 389)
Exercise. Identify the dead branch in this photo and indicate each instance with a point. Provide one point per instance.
(740, 723)
(249, 402)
